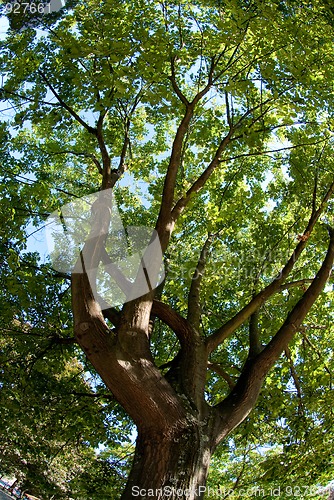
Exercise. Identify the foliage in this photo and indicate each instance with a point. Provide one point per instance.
(55, 412)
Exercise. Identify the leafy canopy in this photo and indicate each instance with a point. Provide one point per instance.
(264, 73)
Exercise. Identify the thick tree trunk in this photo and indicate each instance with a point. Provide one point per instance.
(170, 465)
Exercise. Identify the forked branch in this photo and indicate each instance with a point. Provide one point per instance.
(294, 320)
(237, 405)
(175, 86)
(244, 314)
(202, 179)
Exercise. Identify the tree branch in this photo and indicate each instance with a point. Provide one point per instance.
(294, 320)
(92, 395)
(62, 340)
(270, 151)
(237, 405)
(121, 165)
(194, 306)
(215, 367)
(77, 153)
(166, 220)
(180, 326)
(90, 129)
(295, 378)
(164, 225)
(108, 181)
(175, 86)
(27, 98)
(230, 326)
(292, 284)
(228, 112)
(113, 270)
(314, 197)
(255, 345)
(318, 353)
(235, 51)
(202, 179)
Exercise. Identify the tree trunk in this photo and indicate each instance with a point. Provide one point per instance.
(170, 465)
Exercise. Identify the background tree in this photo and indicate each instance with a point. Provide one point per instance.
(212, 123)
(55, 415)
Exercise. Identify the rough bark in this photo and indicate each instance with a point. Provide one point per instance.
(172, 464)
